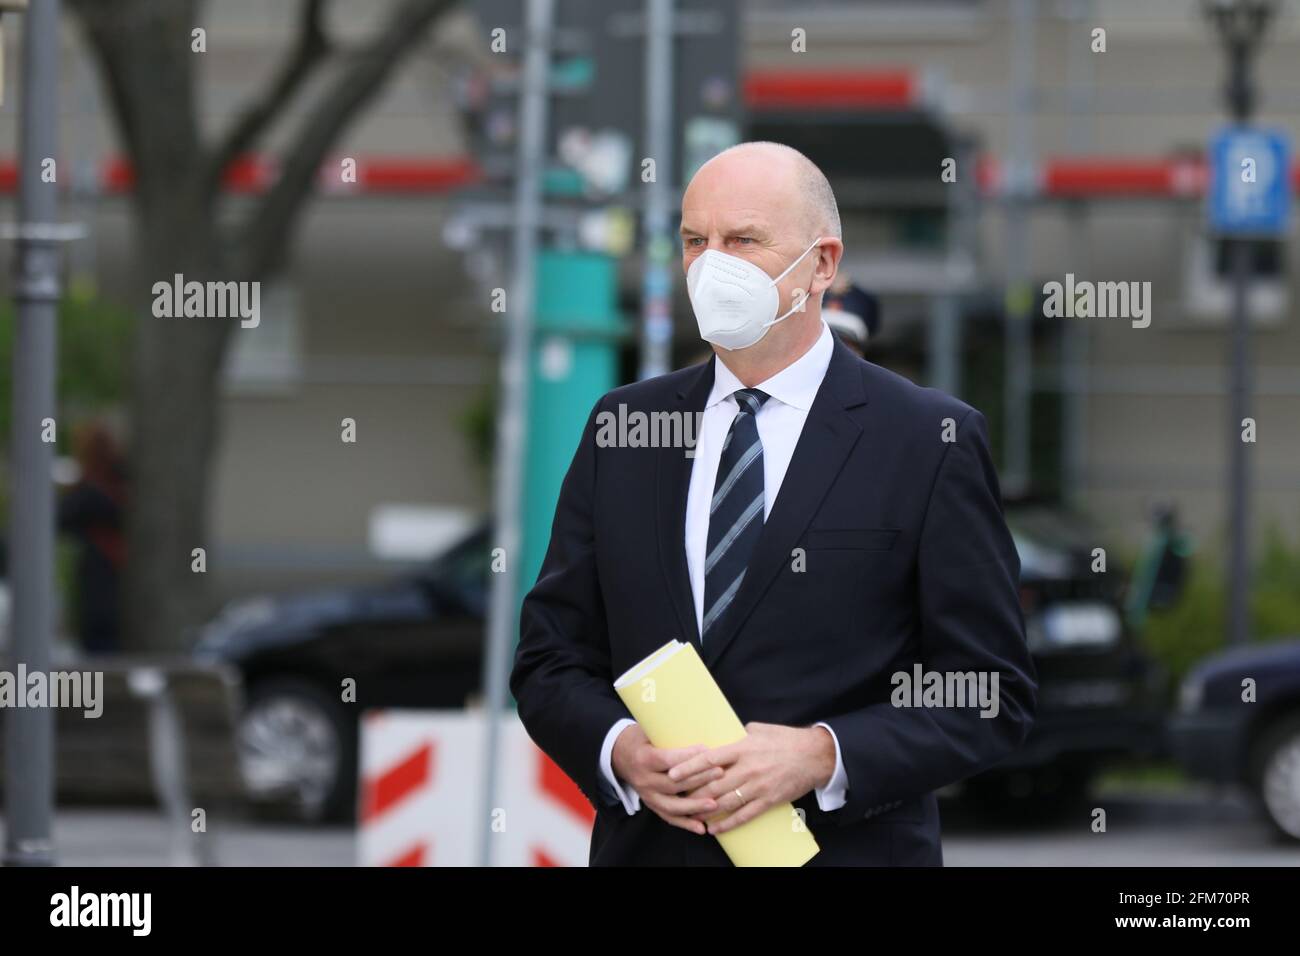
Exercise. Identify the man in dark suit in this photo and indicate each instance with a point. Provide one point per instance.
(833, 544)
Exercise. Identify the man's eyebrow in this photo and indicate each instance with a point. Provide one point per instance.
(743, 229)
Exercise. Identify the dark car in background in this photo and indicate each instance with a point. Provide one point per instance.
(1100, 695)
(417, 641)
(1238, 723)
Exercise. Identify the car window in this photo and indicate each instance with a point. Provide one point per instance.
(463, 571)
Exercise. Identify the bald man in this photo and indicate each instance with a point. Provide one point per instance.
(832, 543)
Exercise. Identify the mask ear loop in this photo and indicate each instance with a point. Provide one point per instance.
(806, 295)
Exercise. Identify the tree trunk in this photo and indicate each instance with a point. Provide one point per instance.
(174, 419)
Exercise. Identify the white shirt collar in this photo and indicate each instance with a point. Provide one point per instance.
(795, 385)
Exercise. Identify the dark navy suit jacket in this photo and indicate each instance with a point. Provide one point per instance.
(906, 559)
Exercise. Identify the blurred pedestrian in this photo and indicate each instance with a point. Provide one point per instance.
(92, 511)
(852, 313)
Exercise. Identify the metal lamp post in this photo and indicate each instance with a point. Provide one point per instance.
(1240, 25)
(29, 740)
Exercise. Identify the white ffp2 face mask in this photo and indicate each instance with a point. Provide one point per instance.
(735, 301)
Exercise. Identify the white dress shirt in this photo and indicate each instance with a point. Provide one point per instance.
(779, 421)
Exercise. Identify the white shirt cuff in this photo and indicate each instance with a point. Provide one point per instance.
(835, 794)
(630, 799)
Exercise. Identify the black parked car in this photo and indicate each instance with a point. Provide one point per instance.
(1100, 696)
(1222, 735)
(417, 642)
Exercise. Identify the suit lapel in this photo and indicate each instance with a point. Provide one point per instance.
(829, 434)
(672, 484)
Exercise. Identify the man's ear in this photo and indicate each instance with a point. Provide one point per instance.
(828, 255)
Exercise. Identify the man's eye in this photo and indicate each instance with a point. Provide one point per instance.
(744, 239)
(694, 241)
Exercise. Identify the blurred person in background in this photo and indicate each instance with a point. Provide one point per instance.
(852, 313)
(92, 512)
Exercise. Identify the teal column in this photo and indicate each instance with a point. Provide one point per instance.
(574, 361)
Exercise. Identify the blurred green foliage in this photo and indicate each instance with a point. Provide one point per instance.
(478, 425)
(94, 361)
(1127, 776)
(1195, 626)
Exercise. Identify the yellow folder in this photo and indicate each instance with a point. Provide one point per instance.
(677, 702)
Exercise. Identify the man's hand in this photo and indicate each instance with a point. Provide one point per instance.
(645, 767)
(773, 764)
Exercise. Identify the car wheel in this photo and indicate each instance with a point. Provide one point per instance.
(1277, 776)
(297, 750)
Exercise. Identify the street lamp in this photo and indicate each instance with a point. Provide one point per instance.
(1240, 25)
(29, 733)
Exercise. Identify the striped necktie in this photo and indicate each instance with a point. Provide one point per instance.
(736, 511)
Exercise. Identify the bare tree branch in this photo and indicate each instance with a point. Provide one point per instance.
(144, 56)
(267, 231)
(311, 47)
(145, 52)
(98, 38)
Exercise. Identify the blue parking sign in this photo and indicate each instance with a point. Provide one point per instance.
(1250, 182)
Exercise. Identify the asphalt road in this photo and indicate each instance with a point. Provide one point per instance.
(1182, 829)
(1186, 829)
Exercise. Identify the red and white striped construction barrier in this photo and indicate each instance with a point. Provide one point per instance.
(421, 795)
